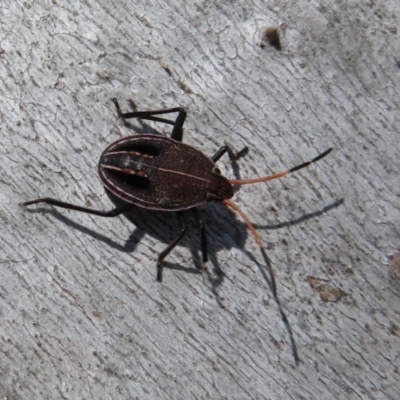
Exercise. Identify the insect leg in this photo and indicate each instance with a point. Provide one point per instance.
(271, 281)
(170, 247)
(112, 213)
(177, 131)
(203, 234)
(232, 156)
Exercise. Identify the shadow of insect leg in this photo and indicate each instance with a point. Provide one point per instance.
(203, 234)
(170, 247)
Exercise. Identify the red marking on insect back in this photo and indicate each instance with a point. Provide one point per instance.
(130, 153)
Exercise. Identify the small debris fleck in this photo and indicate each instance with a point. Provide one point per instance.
(184, 87)
(391, 28)
(283, 26)
(166, 68)
(326, 290)
(394, 329)
(394, 266)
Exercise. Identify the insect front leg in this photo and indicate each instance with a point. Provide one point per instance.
(57, 203)
(232, 156)
(170, 247)
(177, 131)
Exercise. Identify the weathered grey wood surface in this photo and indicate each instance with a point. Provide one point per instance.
(81, 313)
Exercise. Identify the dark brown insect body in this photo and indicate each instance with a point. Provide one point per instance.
(160, 173)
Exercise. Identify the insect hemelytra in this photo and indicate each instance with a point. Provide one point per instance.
(162, 173)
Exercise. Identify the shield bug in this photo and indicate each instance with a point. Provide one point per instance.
(162, 173)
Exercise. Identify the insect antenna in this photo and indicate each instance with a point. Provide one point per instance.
(279, 174)
(271, 281)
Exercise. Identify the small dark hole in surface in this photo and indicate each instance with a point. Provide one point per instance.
(271, 37)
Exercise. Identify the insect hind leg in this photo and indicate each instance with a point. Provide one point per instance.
(57, 203)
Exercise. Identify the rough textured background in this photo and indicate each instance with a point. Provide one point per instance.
(81, 315)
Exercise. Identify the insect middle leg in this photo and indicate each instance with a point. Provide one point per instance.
(170, 247)
(177, 131)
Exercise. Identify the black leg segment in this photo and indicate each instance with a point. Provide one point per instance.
(232, 156)
(177, 131)
(57, 203)
(170, 247)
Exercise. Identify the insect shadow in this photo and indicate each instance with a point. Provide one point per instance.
(224, 230)
(301, 219)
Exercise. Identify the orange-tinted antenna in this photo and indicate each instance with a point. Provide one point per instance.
(279, 174)
(271, 281)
